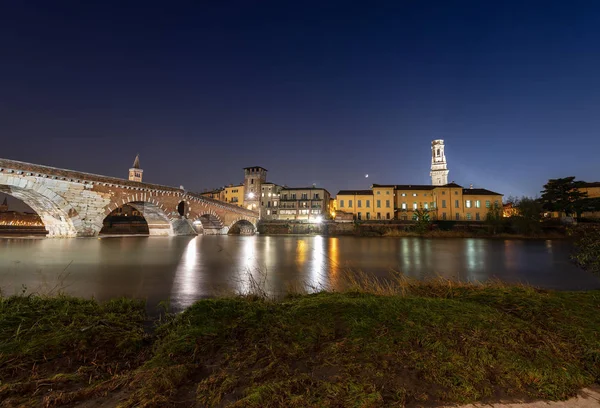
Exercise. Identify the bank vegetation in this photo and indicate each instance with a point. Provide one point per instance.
(374, 344)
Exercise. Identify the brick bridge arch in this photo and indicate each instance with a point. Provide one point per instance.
(73, 203)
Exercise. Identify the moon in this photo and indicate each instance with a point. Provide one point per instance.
(366, 176)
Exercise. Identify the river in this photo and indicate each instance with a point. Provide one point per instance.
(184, 269)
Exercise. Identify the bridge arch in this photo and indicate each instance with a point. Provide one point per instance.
(155, 214)
(242, 226)
(211, 223)
(58, 217)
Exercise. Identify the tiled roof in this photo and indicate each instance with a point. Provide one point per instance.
(355, 192)
(478, 191)
(304, 188)
(594, 184)
(406, 186)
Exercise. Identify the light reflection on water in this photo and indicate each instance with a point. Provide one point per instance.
(184, 269)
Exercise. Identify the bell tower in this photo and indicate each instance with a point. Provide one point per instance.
(439, 168)
(135, 173)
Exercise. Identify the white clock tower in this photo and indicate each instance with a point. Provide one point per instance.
(439, 168)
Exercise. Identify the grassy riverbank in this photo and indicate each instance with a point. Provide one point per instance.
(422, 343)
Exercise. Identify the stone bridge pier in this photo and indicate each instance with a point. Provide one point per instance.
(75, 204)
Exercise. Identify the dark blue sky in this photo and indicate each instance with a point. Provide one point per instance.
(317, 92)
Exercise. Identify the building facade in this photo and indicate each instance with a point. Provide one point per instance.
(439, 167)
(310, 204)
(269, 201)
(400, 202)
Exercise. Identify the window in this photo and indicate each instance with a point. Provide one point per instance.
(293, 196)
(368, 204)
(387, 192)
(414, 194)
(469, 216)
(426, 206)
(268, 212)
(341, 203)
(404, 206)
(468, 203)
(457, 217)
(477, 217)
(368, 216)
(456, 204)
(403, 194)
(251, 181)
(432, 204)
(438, 152)
(455, 192)
(316, 196)
(378, 203)
(415, 206)
(378, 192)
(359, 203)
(349, 203)
(496, 203)
(477, 204)
(387, 215)
(274, 204)
(263, 194)
(443, 193)
(304, 196)
(268, 203)
(387, 203)
(487, 204)
(378, 216)
(359, 215)
(443, 216)
(443, 203)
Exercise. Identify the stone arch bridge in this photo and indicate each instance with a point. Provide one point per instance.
(75, 204)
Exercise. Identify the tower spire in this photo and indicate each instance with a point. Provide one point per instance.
(439, 167)
(135, 173)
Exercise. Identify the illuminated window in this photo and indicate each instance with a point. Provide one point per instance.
(468, 203)
(414, 194)
(477, 204)
(404, 206)
(415, 206)
(403, 194)
(426, 206)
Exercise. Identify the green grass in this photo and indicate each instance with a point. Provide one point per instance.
(427, 343)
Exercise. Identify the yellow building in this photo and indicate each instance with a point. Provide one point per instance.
(447, 202)
(234, 194)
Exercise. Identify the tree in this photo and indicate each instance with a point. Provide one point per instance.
(563, 195)
(494, 218)
(528, 215)
(423, 219)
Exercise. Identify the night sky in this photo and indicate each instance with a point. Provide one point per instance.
(316, 92)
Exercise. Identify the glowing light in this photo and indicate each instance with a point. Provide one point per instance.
(318, 219)
(366, 176)
(251, 195)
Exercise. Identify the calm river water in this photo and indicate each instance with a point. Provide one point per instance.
(184, 269)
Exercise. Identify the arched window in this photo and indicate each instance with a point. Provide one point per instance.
(438, 152)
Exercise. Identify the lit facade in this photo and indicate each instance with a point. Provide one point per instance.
(447, 202)
(309, 204)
